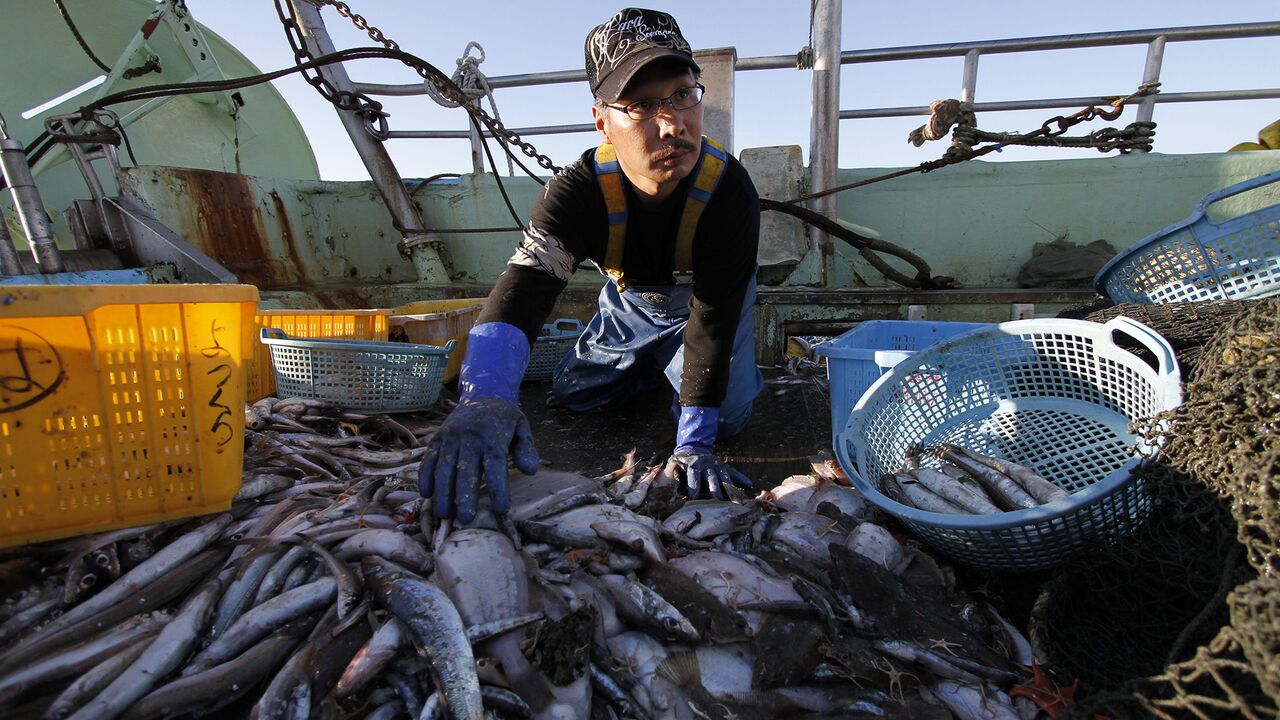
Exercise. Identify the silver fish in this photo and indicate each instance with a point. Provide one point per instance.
(263, 619)
(634, 536)
(155, 567)
(644, 607)
(953, 491)
(209, 690)
(702, 519)
(970, 702)
(1031, 481)
(88, 685)
(487, 581)
(921, 497)
(162, 656)
(1003, 490)
(437, 630)
(76, 659)
(390, 544)
(372, 658)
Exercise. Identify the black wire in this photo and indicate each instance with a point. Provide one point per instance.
(66, 16)
(496, 176)
(128, 146)
(432, 179)
(154, 91)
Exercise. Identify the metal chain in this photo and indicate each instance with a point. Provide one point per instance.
(447, 88)
(1052, 128)
(1135, 136)
(368, 109)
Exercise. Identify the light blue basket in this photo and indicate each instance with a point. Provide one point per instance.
(556, 339)
(1198, 260)
(1055, 395)
(858, 358)
(357, 374)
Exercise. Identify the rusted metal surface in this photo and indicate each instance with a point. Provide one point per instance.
(229, 228)
(278, 234)
(286, 234)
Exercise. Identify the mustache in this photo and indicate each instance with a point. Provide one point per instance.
(672, 148)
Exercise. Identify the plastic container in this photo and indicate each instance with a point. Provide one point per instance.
(356, 374)
(556, 339)
(435, 322)
(1197, 259)
(1054, 395)
(120, 405)
(858, 358)
(341, 324)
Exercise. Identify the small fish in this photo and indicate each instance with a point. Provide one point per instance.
(1006, 493)
(436, 630)
(644, 607)
(919, 496)
(1035, 485)
(953, 491)
(710, 617)
(634, 536)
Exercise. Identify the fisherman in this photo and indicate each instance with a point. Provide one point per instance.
(673, 221)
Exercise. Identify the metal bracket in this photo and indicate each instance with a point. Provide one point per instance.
(155, 244)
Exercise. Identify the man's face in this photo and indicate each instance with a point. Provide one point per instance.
(658, 152)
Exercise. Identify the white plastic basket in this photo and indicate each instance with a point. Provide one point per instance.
(356, 374)
(1054, 395)
(1197, 259)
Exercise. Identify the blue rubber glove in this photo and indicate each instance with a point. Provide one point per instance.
(696, 466)
(484, 430)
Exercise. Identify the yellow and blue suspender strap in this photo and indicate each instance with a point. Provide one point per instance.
(707, 174)
(609, 175)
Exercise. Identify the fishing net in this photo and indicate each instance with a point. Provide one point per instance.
(1180, 620)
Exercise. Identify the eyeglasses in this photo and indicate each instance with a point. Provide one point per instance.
(682, 99)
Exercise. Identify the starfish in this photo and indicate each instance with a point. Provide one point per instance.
(831, 527)
(944, 645)
(1051, 697)
(895, 677)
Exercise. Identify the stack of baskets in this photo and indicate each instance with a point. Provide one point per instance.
(1054, 395)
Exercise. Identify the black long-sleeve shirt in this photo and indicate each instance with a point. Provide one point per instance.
(569, 224)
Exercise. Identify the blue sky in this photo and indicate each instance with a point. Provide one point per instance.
(773, 105)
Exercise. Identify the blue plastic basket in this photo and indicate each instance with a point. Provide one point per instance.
(555, 340)
(1197, 259)
(357, 374)
(858, 358)
(1055, 395)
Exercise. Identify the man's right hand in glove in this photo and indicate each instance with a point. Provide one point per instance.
(487, 427)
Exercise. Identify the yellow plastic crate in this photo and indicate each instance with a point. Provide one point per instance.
(119, 404)
(436, 322)
(337, 324)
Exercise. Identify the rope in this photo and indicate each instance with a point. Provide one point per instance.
(474, 85)
(66, 17)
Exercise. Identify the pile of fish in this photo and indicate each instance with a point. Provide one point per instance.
(328, 590)
(968, 483)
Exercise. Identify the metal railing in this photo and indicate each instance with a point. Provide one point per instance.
(1155, 40)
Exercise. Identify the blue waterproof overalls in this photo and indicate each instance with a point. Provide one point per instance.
(637, 336)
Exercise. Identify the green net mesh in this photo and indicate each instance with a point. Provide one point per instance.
(1180, 620)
